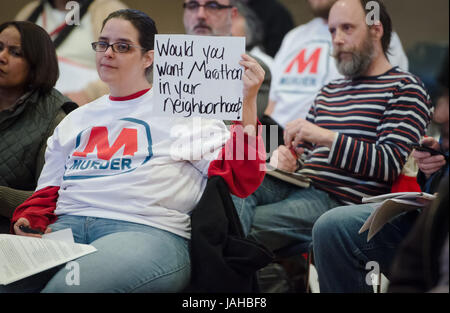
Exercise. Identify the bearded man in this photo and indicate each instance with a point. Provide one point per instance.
(354, 140)
(304, 64)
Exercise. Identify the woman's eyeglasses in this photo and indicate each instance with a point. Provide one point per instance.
(120, 47)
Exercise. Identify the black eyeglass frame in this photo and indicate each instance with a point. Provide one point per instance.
(129, 45)
(198, 5)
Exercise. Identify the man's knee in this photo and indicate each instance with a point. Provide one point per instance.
(332, 223)
(341, 223)
(323, 227)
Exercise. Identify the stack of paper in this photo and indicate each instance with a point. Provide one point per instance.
(22, 256)
(390, 205)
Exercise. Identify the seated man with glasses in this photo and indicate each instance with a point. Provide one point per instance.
(214, 18)
(211, 6)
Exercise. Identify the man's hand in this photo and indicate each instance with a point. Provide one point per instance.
(284, 159)
(429, 164)
(301, 131)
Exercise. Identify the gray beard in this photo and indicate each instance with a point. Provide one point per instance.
(358, 65)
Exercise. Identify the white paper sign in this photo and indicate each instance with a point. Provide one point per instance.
(198, 76)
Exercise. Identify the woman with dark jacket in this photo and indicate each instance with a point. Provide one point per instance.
(30, 108)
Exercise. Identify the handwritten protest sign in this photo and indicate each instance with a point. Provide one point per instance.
(198, 76)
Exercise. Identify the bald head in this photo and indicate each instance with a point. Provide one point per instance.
(347, 10)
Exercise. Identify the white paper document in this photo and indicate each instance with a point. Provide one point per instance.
(399, 195)
(388, 206)
(65, 235)
(22, 256)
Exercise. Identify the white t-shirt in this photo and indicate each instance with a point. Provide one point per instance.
(304, 64)
(115, 159)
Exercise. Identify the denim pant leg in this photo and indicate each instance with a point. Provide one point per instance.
(341, 254)
(290, 221)
(272, 190)
(130, 258)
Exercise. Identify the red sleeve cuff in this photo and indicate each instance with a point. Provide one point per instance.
(38, 209)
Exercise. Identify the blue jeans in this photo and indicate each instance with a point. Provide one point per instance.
(280, 215)
(130, 258)
(341, 254)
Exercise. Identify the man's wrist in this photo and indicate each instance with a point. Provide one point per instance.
(329, 139)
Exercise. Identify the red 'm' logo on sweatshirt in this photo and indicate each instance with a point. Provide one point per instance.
(99, 139)
(302, 63)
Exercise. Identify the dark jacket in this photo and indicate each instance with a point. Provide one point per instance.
(23, 136)
(416, 267)
(222, 260)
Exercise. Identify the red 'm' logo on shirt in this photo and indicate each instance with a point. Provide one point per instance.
(99, 138)
(302, 64)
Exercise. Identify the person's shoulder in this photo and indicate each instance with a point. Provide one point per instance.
(84, 115)
(97, 103)
(337, 84)
(57, 96)
(51, 100)
(404, 78)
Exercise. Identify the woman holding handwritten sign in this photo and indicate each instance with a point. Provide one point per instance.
(117, 177)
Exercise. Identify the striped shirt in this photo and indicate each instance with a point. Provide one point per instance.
(374, 118)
